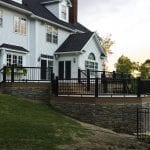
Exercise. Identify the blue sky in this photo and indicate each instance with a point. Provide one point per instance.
(128, 21)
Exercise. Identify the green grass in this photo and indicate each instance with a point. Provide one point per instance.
(25, 125)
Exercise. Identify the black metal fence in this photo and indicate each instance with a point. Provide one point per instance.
(145, 86)
(97, 86)
(25, 74)
(143, 124)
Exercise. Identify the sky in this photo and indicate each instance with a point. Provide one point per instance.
(128, 21)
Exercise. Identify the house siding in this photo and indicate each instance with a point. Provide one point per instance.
(7, 30)
(39, 45)
(90, 47)
(8, 36)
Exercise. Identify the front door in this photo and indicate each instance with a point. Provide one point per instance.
(43, 69)
(68, 70)
(61, 69)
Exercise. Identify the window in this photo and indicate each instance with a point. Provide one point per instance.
(1, 18)
(20, 25)
(52, 34)
(91, 63)
(55, 35)
(14, 60)
(49, 34)
(91, 56)
(20, 60)
(8, 60)
(63, 12)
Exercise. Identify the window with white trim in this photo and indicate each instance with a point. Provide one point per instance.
(1, 18)
(55, 35)
(63, 12)
(20, 25)
(52, 34)
(91, 63)
(16, 60)
(49, 33)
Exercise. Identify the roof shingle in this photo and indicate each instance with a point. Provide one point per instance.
(40, 10)
(14, 47)
(75, 42)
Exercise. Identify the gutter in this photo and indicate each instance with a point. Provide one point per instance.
(77, 52)
(15, 8)
(16, 51)
(36, 17)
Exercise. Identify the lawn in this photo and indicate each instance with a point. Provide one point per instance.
(25, 125)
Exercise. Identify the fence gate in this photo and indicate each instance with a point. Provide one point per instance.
(143, 124)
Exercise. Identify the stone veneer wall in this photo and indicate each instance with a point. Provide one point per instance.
(118, 114)
(35, 91)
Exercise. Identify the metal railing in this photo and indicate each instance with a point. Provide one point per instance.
(143, 124)
(26, 74)
(145, 86)
(96, 86)
(1, 75)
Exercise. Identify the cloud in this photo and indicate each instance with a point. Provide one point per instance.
(127, 20)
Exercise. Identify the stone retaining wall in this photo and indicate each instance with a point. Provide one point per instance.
(35, 91)
(118, 114)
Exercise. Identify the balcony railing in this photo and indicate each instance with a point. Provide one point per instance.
(26, 74)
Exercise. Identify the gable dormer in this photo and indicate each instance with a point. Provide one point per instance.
(18, 1)
(60, 8)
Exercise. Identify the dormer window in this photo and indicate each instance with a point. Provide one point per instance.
(1, 18)
(63, 12)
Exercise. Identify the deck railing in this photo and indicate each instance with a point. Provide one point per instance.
(97, 87)
(25, 74)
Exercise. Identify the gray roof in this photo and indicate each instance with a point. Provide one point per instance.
(75, 42)
(36, 7)
(14, 47)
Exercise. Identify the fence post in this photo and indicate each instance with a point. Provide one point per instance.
(56, 86)
(52, 76)
(104, 81)
(88, 79)
(79, 75)
(12, 73)
(124, 85)
(137, 122)
(114, 75)
(96, 87)
(139, 87)
(4, 74)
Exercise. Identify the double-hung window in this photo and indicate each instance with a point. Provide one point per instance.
(49, 34)
(52, 34)
(55, 35)
(20, 25)
(1, 18)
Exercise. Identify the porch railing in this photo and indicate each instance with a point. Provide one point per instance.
(97, 86)
(25, 74)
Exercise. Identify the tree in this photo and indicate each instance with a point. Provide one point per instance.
(124, 65)
(106, 44)
(145, 71)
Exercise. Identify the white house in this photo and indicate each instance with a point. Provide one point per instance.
(46, 33)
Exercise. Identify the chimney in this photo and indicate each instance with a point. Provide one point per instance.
(73, 12)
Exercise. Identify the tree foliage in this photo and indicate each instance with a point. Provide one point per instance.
(145, 70)
(124, 65)
(106, 44)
